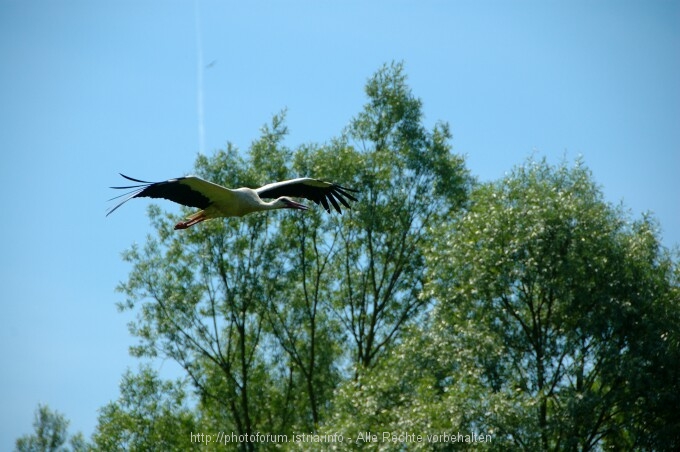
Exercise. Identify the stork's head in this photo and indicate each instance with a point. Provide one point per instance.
(286, 203)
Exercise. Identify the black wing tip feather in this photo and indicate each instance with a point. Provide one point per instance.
(135, 180)
(339, 193)
(343, 191)
(136, 190)
(346, 188)
(143, 183)
(336, 195)
(129, 197)
(331, 198)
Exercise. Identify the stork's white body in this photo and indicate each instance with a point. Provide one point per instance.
(233, 203)
(239, 202)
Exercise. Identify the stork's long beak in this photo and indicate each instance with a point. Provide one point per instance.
(295, 205)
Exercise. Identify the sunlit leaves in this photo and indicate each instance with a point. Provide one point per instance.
(554, 276)
(553, 326)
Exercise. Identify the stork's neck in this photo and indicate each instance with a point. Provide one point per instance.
(272, 205)
(251, 202)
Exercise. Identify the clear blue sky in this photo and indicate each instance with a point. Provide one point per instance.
(91, 88)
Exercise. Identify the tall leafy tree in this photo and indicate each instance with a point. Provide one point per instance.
(568, 291)
(410, 180)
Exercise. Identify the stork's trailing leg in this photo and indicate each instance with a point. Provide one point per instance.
(192, 220)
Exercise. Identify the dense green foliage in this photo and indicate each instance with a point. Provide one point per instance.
(556, 326)
(527, 309)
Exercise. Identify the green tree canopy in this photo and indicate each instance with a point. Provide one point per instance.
(570, 289)
(410, 180)
(556, 327)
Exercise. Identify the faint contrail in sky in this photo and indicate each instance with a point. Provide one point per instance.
(199, 81)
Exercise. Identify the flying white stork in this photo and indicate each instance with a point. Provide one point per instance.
(216, 201)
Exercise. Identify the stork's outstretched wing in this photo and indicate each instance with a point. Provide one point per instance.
(190, 191)
(313, 189)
